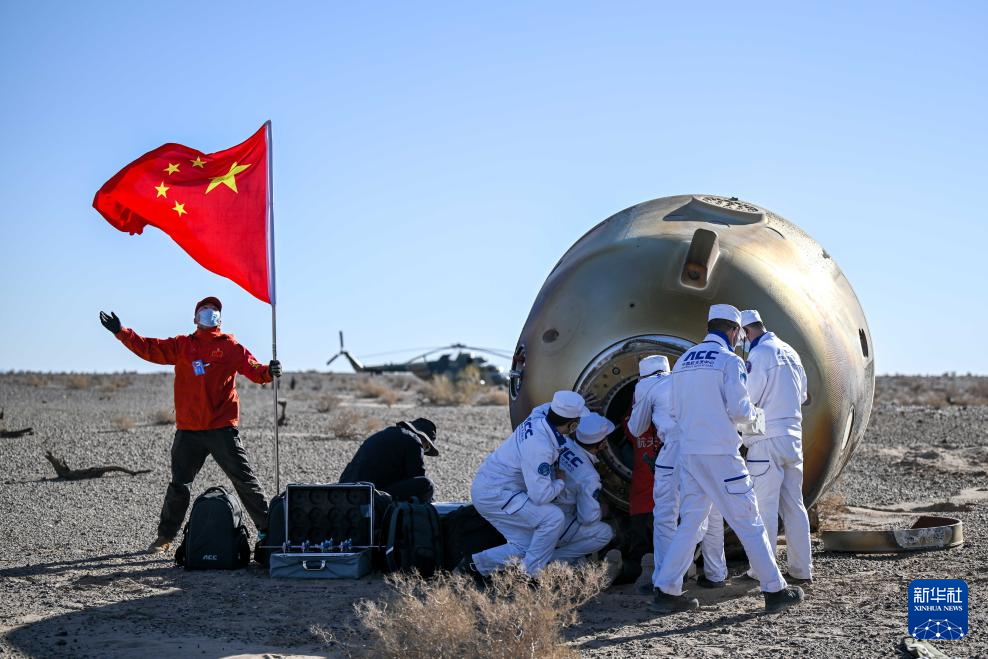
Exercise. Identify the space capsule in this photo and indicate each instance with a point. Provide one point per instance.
(641, 282)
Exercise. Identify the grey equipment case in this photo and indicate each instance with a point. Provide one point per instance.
(345, 565)
(329, 532)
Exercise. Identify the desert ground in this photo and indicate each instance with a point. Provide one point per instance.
(76, 583)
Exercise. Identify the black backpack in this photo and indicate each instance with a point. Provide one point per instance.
(414, 539)
(215, 537)
(276, 531)
(466, 532)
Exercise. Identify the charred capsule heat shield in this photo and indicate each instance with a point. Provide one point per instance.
(640, 283)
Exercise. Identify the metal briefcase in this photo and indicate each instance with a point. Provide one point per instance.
(349, 565)
(329, 531)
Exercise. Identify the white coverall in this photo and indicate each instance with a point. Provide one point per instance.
(653, 405)
(583, 532)
(777, 384)
(708, 399)
(514, 489)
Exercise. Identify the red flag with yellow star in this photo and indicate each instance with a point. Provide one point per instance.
(214, 205)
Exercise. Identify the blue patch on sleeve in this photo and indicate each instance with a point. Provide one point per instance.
(747, 366)
(545, 468)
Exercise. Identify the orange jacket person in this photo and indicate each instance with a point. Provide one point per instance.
(207, 411)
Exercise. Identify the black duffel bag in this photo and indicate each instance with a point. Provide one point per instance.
(216, 537)
(466, 532)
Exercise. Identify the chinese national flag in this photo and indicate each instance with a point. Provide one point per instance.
(214, 205)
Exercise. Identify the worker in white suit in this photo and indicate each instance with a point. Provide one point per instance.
(777, 384)
(653, 406)
(583, 531)
(517, 483)
(709, 399)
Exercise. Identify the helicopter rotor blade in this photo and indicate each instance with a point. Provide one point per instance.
(424, 355)
(504, 354)
(394, 352)
(333, 358)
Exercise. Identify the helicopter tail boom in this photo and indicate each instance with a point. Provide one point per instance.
(354, 362)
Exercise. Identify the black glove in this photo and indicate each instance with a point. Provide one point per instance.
(110, 322)
(275, 367)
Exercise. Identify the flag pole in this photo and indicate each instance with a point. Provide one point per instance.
(271, 294)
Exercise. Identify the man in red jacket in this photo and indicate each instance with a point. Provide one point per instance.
(207, 410)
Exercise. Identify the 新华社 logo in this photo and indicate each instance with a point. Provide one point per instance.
(938, 608)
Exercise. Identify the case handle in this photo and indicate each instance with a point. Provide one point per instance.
(305, 566)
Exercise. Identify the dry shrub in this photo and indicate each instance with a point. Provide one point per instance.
(938, 391)
(464, 390)
(163, 417)
(978, 391)
(114, 382)
(372, 388)
(36, 380)
(349, 423)
(401, 381)
(440, 391)
(79, 381)
(493, 397)
(327, 403)
(931, 398)
(449, 618)
(124, 422)
(321, 635)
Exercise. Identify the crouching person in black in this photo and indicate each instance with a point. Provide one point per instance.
(394, 460)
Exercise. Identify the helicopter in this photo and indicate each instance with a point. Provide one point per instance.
(448, 364)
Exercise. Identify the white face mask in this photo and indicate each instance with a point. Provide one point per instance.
(208, 317)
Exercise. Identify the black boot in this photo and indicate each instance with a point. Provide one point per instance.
(630, 571)
(664, 603)
(703, 582)
(466, 567)
(783, 599)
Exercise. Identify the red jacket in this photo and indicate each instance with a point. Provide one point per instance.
(209, 400)
(645, 448)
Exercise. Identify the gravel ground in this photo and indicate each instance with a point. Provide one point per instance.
(76, 583)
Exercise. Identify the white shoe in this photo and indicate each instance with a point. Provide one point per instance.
(612, 567)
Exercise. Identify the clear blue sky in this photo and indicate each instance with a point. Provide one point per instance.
(433, 161)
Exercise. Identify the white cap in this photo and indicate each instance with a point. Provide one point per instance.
(653, 364)
(750, 316)
(724, 311)
(593, 429)
(568, 404)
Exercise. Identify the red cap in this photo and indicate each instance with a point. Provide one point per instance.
(215, 301)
